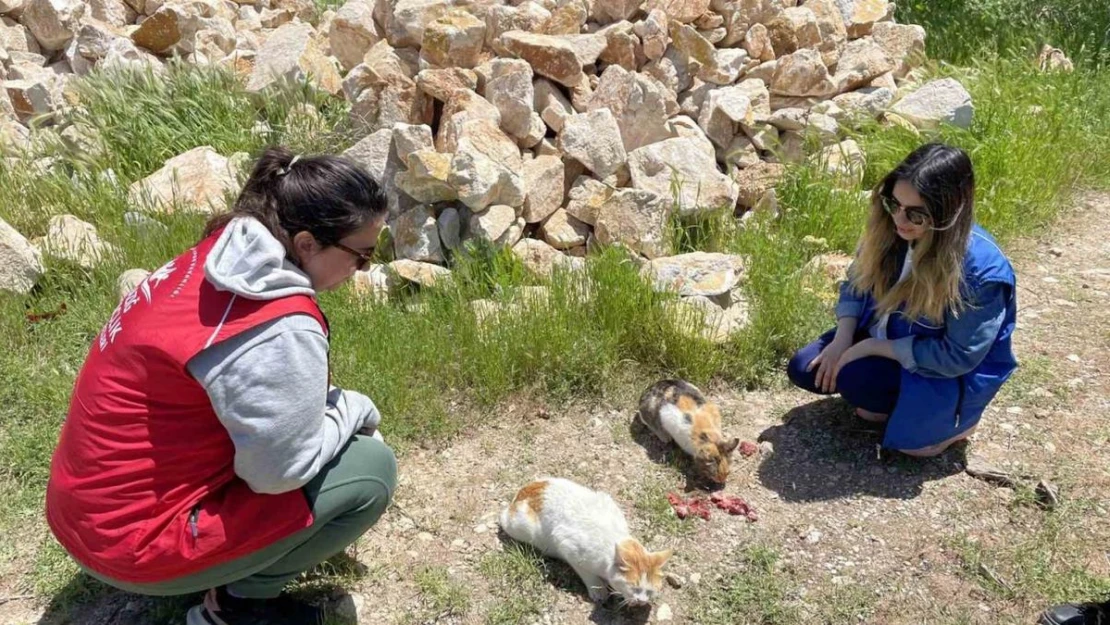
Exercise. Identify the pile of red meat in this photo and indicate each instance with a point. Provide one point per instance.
(698, 506)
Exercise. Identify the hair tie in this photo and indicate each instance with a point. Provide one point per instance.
(287, 168)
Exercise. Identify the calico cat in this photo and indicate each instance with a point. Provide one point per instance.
(677, 411)
(587, 530)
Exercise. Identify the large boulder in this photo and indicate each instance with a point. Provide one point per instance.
(697, 273)
(492, 223)
(563, 232)
(861, 61)
(77, 241)
(20, 262)
(939, 101)
(416, 236)
(426, 179)
(510, 89)
(543, 185)
(637, 219)
(454, 39)
(594, 140)
(199, 180)
(684, 165)
(542, 259)
(352, 32)
(550, 56)
(486, 168)
(640, 104)
(802, 74)
(903, 43)
(54, 23)
(291, 53)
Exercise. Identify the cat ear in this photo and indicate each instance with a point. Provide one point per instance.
(729, 447)
(661, 557)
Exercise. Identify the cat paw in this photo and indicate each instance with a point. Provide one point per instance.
(598, 594)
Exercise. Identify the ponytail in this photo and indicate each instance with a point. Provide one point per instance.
(327, 196)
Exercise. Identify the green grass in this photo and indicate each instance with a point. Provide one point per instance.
(961, 31)
(517, 578)
(439, 594)
(758, 593)
(1045, 565)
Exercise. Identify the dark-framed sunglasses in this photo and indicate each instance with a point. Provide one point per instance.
(916, 215)
(364, 258)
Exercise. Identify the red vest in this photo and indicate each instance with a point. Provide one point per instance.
(142, 485)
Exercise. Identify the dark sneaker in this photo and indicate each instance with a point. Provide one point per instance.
(220, 608)
(1077, 614)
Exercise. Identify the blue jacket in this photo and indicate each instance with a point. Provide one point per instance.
(953, 370)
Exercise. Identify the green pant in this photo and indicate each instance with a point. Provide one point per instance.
(347, 497)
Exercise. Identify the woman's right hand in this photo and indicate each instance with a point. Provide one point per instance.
(826, 361)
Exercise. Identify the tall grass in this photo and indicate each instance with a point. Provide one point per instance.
(963, 31)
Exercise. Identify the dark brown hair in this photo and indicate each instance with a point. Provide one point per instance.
(326, 196)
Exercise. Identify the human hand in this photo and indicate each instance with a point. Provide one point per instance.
(862, 349)
(826, 362)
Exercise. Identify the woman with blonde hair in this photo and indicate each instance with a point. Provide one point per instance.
(925, 320)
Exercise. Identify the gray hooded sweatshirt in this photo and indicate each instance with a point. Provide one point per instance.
(269, 385)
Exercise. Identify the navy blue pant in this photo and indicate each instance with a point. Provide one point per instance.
(870, 383)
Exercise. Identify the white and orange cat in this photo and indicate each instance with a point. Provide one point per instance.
(677, 411)
(587, 530)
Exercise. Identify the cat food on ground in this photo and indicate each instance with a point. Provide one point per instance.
(683, 508)
(748, 449)
(734, 506)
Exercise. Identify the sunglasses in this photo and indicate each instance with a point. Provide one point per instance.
(364, 258)
(916, 215)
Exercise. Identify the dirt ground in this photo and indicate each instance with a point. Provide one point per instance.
(860, 538)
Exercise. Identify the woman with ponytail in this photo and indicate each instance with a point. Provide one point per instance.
(924, 322)
(205, 449)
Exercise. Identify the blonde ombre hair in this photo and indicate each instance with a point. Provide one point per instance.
(943, 176)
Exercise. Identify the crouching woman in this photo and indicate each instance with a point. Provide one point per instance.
(205, 449)
(925, 320)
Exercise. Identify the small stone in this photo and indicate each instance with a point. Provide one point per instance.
(480, 529)
(695, 578)
(754, 182)
(441, 83)
(542, 259)
(663, 614)
(424, 537)
(450, 228)
(812, 536)
(130, 280)
(766, 448)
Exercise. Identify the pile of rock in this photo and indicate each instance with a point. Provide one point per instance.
(546, 125)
